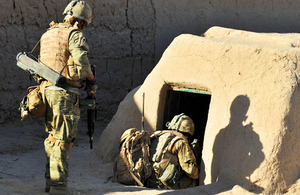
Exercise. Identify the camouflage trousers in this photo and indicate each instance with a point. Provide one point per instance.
(61, 123)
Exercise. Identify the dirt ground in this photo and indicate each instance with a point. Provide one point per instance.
(22, 165)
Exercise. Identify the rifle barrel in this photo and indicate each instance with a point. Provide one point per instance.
(143, 113)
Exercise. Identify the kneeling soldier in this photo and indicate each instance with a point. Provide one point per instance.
(174, 162)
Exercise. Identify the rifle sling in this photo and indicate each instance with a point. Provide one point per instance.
(35, 47)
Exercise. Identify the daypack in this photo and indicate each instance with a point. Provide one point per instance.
(132, 165)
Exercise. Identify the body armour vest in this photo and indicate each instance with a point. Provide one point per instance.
(54, 51)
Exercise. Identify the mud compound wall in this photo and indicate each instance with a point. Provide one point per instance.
(126, 38)
(121, 41)
(252, 130)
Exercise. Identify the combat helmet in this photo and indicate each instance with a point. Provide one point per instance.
(182, 123)
(79, 9)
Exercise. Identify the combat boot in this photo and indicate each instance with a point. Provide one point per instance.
(61, 190)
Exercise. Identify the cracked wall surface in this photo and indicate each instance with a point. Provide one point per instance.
(121, 40)
(126, 38)
(252, 132)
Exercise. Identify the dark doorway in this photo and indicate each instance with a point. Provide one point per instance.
(194, 103)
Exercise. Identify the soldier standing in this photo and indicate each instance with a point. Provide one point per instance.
(174, 162)
(64, 48)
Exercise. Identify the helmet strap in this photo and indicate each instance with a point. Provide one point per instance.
(79, 24)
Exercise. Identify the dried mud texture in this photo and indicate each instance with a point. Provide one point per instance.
(126, 38)
(253, 128)
(121, 40)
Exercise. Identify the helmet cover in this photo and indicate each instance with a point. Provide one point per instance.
(182, 123)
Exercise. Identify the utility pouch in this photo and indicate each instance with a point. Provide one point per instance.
(36, 104)
(72, 70)
(33, 103)
(170, 176)
(73, 76)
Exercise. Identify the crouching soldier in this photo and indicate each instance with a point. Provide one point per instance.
(174, 163)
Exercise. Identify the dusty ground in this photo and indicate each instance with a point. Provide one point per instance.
(22, 165)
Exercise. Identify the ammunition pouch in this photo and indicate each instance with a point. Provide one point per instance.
(167, 170)
(73, 78)
(72, 70)
(170, 176)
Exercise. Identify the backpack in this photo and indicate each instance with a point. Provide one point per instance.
(132, 165)
(165, 164)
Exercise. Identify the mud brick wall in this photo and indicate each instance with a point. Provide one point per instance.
(126, 38)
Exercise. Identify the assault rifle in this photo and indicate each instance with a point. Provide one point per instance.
(92, 111)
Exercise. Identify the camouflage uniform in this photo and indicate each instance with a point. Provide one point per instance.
(63, 112)
(188, 164)
(183, 156)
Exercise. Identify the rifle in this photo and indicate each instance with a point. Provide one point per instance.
(27, 62)
(143, 116)
(91, 111)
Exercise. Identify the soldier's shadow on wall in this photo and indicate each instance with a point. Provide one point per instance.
(237, 150)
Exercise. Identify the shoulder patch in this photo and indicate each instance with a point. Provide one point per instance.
(83, 43)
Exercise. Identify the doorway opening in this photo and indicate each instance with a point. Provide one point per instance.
(192, 102)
